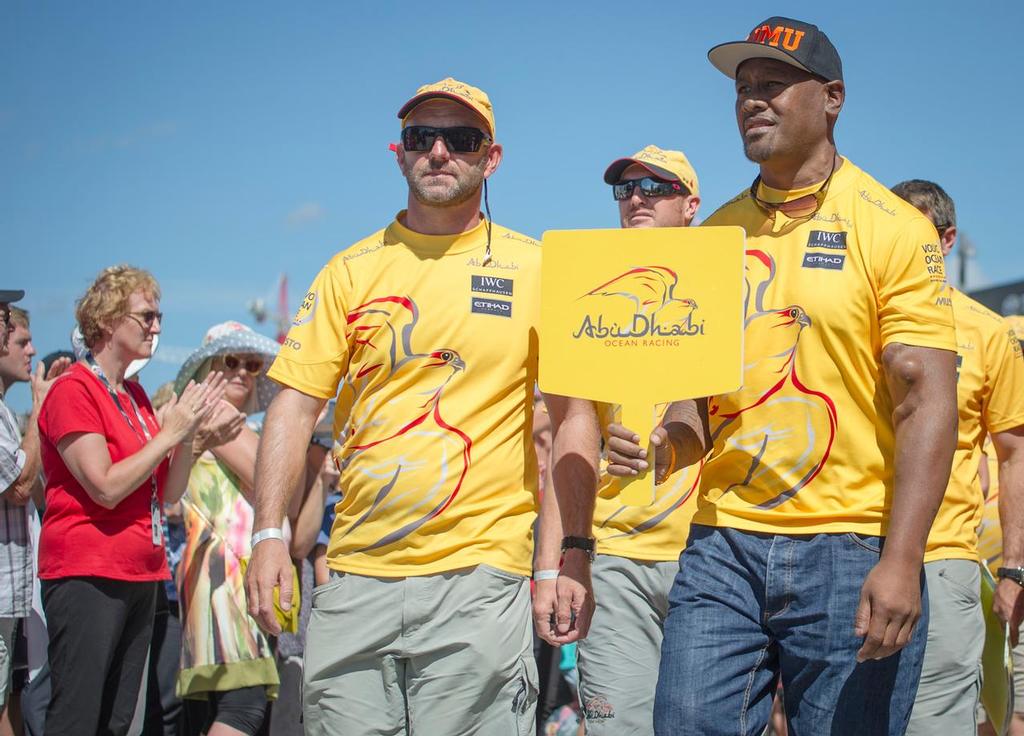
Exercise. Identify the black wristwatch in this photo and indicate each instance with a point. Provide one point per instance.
(1016, 574)
(584, 543)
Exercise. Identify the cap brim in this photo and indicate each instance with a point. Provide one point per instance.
(727, 57)
(614, 172)
(419, 99)
(11, 295)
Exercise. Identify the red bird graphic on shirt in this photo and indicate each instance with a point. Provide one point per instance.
(779, 428)
(395, 394)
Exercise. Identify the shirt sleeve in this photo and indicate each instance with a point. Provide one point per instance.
(910, 275)
(1004, 374)
(315, 353)
(12, 457)
(67, 409)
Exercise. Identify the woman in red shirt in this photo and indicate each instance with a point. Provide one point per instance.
(109, 467)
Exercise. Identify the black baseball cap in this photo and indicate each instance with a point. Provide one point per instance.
(10, 295)
(790, 41)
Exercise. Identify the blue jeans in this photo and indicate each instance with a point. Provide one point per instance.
(747, 608)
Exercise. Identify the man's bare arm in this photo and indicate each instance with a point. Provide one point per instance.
(1009, 446)
(575, 453)
(280, 466)
(922, 385)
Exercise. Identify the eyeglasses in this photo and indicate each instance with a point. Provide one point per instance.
(459, 139)
(252, 365)
(798, 208)
(147, 318)
(649, 187)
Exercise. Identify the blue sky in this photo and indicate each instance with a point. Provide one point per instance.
(222, 144)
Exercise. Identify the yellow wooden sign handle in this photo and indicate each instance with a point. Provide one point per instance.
(639, 490)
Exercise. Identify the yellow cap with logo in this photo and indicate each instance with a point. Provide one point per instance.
(664, 164)
(472, 97)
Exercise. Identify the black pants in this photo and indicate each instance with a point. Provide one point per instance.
(164, 713)
(99, 635)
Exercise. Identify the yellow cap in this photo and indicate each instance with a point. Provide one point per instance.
(473, 98)
(660, 162)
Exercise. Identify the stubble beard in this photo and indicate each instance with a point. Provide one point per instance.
(460, 190)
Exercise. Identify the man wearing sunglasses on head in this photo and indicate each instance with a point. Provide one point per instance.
(637, 546)
(426, 332)
(804, 560)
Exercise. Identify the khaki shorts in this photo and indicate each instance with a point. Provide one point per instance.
(618, 661)
(947, 698)
(435, 655)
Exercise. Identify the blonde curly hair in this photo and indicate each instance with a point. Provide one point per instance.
(105, 302)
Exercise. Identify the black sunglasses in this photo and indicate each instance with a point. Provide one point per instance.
(649, 187)
(459, 139)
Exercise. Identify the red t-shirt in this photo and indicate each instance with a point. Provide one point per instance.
(80, 537)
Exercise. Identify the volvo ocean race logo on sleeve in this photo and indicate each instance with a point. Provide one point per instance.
(638, 308)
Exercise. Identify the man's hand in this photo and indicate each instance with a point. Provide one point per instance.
(269, 567)
(1008, 605)
(545, 604)
(574, 592)
(890, 606)
(627, 458)
(41, 383)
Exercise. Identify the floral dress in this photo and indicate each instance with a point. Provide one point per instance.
(222, 646)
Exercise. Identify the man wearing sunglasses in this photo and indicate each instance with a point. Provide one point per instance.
(426, 333)
(990, 398)
(637, 546)
(804, 560)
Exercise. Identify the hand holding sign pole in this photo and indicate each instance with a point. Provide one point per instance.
(638, 317)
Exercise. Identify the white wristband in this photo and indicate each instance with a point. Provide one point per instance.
(270, 533)
(539, 575)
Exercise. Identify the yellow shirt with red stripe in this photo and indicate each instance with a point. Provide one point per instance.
(990, 399)
(656, 532)
(433, 356)
(807, 444)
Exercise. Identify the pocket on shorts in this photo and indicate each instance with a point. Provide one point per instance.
(960, 586)
(495, 572)
(524, 701)
(333, 582)
(870, 544)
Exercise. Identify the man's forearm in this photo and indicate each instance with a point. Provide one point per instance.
(685, 424)
(21, 490)
(281, 457)
(923, 388)
(1009, 448)
(575, 451)
(548, 534)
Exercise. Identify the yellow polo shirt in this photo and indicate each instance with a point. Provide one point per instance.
(656, 532)
(433, 356)
(806, 445)
(990, 399)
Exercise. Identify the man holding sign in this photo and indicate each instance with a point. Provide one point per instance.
(826, 469)
(637, 546)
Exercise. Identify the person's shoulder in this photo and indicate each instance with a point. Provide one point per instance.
(511, 250)
(970, 310)
(734, 209)
(70, 388)
(517, 240)
(878, 200)
(363, 249)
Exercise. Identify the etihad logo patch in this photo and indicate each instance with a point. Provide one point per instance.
(821, 260)
(492, 285)
(498, 307)
(826, 239)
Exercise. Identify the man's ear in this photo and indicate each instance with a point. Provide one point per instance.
(494, 154)
(835, 96)
(947, 239)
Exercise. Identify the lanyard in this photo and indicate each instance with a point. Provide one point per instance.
(155, 512)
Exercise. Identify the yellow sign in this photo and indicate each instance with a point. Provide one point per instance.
(640, 317)
(996, 665)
